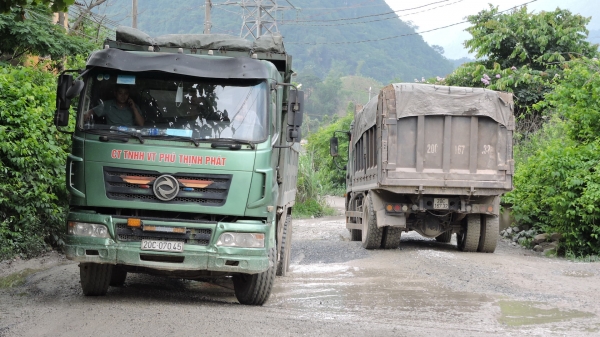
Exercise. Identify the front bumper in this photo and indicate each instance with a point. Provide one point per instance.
(193, 258)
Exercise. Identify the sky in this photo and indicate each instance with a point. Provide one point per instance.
(451, 38)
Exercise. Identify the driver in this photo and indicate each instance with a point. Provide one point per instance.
(120, 111)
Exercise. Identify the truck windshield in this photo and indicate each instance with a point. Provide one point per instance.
(150, 104)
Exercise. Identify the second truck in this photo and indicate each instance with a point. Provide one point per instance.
(428, 158)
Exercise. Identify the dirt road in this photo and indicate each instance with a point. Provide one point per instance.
(336, 288)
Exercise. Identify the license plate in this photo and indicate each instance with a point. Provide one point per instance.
(162, 246)
(440, 203)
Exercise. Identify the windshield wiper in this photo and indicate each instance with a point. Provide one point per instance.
(196, 141)
(103, 132)
(233, 144)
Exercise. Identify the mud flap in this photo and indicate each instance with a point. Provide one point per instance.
(384, 220)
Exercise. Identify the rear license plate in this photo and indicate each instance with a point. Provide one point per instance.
(162, 246)
(440, 203)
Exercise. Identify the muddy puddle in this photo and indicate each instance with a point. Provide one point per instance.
(339, 289)
(516, 313)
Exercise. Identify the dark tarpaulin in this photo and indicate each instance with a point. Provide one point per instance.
(182, 64)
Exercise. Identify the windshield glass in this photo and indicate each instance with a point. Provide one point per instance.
(150, 104)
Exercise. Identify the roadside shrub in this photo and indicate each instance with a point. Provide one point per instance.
(309, 194)
(33, 198)
(557, 187)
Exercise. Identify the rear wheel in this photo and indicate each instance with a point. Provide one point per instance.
(255, 289)
(489, 234)
(469, 240)
(95, 278)
(283, 265)
(391, 237)
(118, 276)
(445, 237)
(371, 234)
(355, 235)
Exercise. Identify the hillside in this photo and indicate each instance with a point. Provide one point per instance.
(316, 35)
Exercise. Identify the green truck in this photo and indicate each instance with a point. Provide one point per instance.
(184, 160)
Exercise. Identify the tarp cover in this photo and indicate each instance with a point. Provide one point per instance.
(181, 64)
(415, 99)
(265, 43)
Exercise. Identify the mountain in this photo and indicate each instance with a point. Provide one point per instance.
(321, 35)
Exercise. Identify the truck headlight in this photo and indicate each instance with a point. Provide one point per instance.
(244, 240)
(88, 229)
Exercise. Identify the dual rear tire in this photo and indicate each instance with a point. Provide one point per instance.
(480, 233)
(374, 237)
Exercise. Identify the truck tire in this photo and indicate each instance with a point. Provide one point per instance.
(255, 289)
(445, 237)
(391, 237)
(469, 240)
(95, 278)
(371, 234)
(118, 276)
(283, 265)
(355, 235)
(490, 232)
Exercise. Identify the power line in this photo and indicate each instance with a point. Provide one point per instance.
(372, 15)
(384, 19)
(403, 35)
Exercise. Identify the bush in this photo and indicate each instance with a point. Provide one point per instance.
(557, 187)
(309, 194)
(33, 198)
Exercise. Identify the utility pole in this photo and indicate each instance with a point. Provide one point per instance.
(207, 23)
(134, 13)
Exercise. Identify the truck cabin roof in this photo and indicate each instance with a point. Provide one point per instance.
(180, 64)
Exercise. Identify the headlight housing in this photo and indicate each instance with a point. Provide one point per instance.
(242, 240)
(88, 229)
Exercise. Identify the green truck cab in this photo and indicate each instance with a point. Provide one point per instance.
(193, 174)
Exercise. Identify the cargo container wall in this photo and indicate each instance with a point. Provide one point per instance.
(436, 140)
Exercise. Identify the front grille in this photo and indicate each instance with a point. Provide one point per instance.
(137, 185)
(193, 236)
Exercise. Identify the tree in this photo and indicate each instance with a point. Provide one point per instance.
(37, 35)
(88, 9)
(522, 52)
(56, 5)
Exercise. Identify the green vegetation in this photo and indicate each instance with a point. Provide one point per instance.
(318, 174)
(522, 53)
(55, 5)
(557, 187)
(36, 35)
(33, 198)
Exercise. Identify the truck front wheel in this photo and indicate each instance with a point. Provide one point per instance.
(95, 278)
(371, 234)
(255, 289)
(118, 276)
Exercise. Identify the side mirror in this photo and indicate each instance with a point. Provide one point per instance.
(295, 113)
(63, 102)
(333, 146)
(295, 108)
